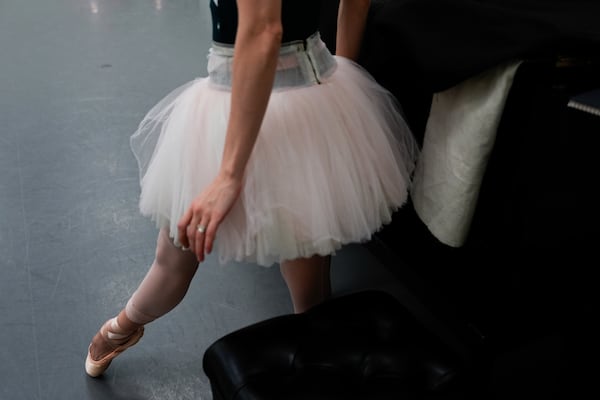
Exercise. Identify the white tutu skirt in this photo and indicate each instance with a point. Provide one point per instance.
(331, 163)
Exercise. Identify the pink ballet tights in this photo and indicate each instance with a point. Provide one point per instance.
(165, 284)
(169, 278)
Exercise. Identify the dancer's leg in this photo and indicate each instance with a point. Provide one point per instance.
(164, 286)
(308, 280)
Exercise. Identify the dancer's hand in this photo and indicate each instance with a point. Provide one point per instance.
(198, 226)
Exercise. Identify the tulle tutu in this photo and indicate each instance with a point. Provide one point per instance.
(331, 163)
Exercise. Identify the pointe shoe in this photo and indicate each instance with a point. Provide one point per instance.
(119, 343)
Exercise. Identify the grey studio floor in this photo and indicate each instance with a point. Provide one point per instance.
(76, 77)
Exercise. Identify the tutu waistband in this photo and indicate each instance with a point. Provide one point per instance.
(301, 63)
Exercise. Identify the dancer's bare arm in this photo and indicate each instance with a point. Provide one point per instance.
(352, 17)
(256, 51)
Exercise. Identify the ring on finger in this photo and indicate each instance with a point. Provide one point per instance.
(201, 228)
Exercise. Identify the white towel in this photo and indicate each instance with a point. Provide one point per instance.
(459, 137)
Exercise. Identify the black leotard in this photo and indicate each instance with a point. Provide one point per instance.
(299, 18)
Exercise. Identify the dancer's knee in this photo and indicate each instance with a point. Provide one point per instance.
(172, 258)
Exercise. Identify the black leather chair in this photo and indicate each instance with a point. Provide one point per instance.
(364, 345)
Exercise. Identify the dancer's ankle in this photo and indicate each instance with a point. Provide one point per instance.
(125, 324)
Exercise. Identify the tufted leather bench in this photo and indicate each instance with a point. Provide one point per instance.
(364, 345)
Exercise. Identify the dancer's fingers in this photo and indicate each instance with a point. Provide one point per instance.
(182, 228)
(200, 238)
